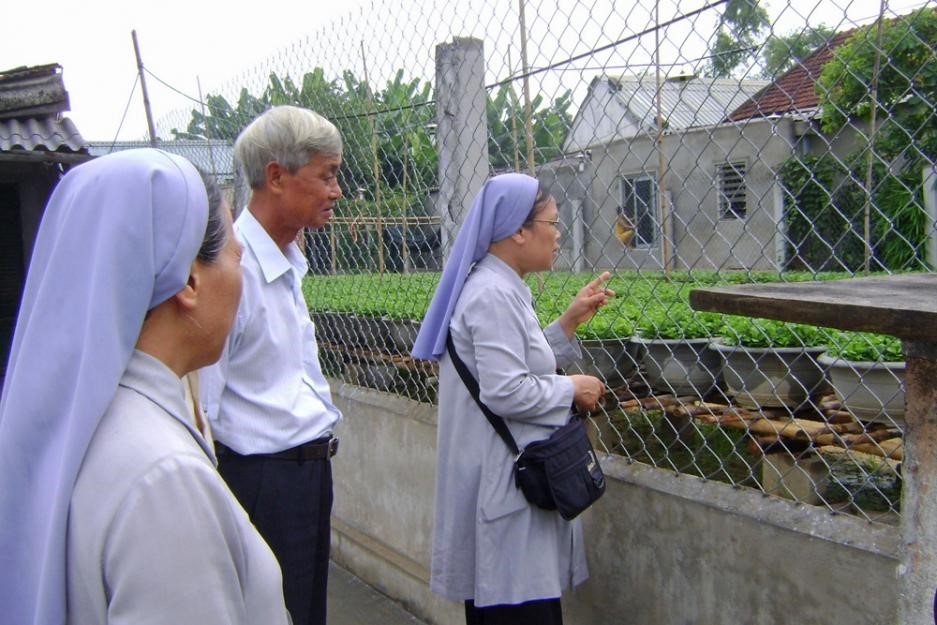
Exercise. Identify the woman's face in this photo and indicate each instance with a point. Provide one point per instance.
(221, 293)
(544, 244)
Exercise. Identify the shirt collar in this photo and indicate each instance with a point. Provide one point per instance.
(502, 269)
(155, 381)
(272, 260)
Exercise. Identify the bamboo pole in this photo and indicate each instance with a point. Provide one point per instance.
(211, 152)
(404, 251)
(146, 97)
(873, 96)
(375, 165)
(514, 145)
(528, 123)
(662, 208)
(334, 245)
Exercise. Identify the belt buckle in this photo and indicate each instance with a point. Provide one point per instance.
(333, 446)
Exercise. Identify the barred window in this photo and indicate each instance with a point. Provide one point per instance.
(732, 203)
(639, 207)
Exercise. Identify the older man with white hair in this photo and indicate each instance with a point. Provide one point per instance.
(269, 404)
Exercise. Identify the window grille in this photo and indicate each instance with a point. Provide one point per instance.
(732, 203)
(639, 207)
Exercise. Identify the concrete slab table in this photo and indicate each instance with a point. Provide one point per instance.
(904, 306)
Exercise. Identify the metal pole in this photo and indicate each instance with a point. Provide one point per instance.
(146, 98)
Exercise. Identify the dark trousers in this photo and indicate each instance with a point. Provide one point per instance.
(541, 612)
(289, 502)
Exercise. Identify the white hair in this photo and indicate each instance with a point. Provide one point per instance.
(289, 135)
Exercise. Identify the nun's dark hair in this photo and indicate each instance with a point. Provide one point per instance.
(540, 200)
(215, 234)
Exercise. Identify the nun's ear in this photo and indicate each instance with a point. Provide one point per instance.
(187, 297)
(521, 236)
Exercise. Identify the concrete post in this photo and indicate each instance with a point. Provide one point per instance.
(579, 236)
(917, 574)
(780, 227)
(929, 176)
(242, 190)
(462, 131)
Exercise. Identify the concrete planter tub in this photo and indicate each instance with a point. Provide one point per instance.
(680, 366)
(871, 391)
(771, 377)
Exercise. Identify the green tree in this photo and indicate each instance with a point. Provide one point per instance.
(402, 115)
(407, 154)
(906, 87)
(737, 37)
(902, 51)
(782, 52)
(549, 126)
(222, 120)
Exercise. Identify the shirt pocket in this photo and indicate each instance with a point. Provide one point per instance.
(498, 494)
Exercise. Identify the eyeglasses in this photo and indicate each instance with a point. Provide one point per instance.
(553, 222)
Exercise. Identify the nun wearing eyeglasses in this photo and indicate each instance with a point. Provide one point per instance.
(508, 561)
(110, 505)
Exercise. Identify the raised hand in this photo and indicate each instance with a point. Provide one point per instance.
(588, 300)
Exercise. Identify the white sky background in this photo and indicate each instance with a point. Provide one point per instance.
(227, 46)
(179, 41)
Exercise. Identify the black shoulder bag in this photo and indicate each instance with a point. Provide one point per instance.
(559, 473)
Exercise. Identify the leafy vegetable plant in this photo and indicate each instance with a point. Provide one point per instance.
(752, 332)
(864, 347)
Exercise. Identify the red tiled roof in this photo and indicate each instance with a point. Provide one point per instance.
(793, 91)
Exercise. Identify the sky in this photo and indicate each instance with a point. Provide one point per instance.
(182, 43)
(224, 45)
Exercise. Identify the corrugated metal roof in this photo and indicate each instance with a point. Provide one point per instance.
(49, 134)
(686, 102)
(215, 156)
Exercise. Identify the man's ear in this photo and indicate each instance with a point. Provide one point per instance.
(187, 298)
(273, 175)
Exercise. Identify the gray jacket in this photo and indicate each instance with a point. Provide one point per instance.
(489, 543)
(154, 534)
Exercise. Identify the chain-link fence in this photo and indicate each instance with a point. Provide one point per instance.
(686, 146)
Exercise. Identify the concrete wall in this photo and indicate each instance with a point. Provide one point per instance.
(663, 549)
(702, 240)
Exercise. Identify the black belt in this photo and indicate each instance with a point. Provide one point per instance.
(319, 449)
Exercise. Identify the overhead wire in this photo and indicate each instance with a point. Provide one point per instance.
(123, 117)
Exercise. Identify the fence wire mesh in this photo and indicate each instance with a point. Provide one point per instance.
(687, 146)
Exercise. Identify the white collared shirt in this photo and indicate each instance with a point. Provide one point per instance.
(268, 393)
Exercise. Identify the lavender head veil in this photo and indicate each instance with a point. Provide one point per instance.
(118, 237)
(498, 211)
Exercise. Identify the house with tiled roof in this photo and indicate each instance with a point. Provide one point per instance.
(792, 105)
(794, 92)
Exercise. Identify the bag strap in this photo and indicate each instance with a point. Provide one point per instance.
(496, 421)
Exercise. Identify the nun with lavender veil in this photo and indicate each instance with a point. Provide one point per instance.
(508, 561)
(110, 506)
